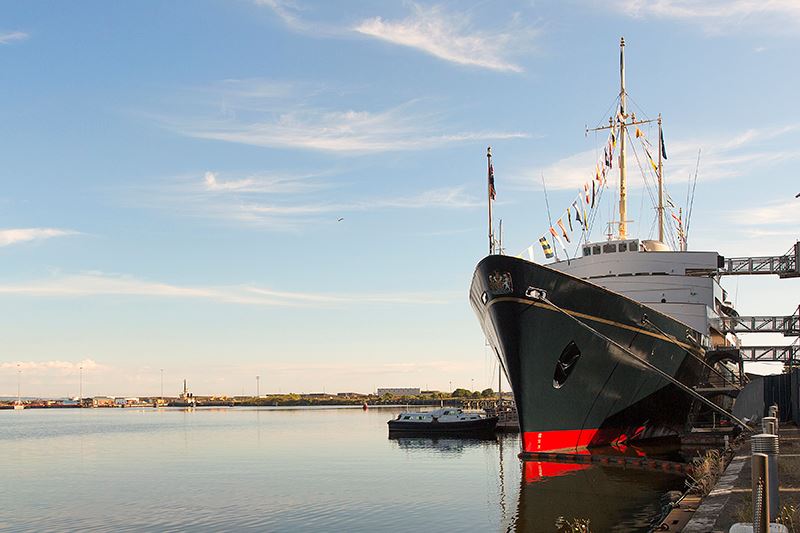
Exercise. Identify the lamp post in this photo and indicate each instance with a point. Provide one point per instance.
(80, 387)
(258, 386)
(162, 385)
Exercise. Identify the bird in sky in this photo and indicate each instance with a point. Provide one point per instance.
(339, 220)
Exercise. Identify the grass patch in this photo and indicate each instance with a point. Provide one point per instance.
(706, 471)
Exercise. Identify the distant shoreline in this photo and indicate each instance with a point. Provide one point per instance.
(288, 400)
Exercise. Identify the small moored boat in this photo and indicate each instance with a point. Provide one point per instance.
(447, 420)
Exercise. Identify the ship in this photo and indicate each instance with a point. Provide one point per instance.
(610, 347)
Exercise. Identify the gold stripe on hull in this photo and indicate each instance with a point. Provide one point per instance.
(593, 318)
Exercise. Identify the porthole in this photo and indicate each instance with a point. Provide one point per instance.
(566, 364)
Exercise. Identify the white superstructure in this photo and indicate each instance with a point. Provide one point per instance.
(667, 281)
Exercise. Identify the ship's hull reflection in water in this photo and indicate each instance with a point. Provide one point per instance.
(534, 496)
(611, 498)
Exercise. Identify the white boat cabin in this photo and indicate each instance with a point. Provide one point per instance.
(441, 415)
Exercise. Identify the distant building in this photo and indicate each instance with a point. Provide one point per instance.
(128, 402)
(102, 401)
(350, 395)
(399, 391)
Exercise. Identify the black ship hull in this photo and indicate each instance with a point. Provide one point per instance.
(573, 388)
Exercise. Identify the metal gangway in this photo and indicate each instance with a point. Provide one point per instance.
(784, 354)
(788, 325)
(785, 266)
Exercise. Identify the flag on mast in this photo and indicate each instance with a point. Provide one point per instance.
(546, 248)
(492, 191)
(563, 230)
(577, 212)
(554, 233)
(661, 140)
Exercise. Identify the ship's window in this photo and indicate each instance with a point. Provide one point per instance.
(406, 418)
(634, 246)
(623, 247)
(566, 364)
(587, 251)
(609, 248)
(596, 250)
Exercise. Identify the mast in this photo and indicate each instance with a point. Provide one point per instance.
(490, 172)
(19, 380)
(623, 193)
(500, 238)
(621, 122)
(660, 184)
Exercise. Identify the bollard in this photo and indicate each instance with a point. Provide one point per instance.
(767, 445)
(769, 424)
(761, 503)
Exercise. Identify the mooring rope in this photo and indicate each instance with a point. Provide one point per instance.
(649, 322)
(540, 295)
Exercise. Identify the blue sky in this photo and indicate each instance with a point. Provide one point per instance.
(174, 174)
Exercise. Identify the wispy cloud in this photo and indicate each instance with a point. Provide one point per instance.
(91, 284)
(286, 11)
(262, 183)
(63, 367)
(278, 114)
(774, 218)
(281, 122)
(19, 235)
(715, 15)
(721, 158)
(296, 17)
(424, 368)
(12, 36)
(451, 37)
(290, 215)
(284, 202)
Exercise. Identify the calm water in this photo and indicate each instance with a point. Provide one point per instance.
(273, 469)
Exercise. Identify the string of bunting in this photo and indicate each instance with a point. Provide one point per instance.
(647, 147)
(576, 217)
(561, 231)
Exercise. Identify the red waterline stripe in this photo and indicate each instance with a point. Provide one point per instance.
(540, 470)
(567, 439)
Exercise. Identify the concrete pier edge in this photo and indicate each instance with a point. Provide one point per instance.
(706, 515)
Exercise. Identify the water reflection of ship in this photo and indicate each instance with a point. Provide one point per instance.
(611, 498)
(618, 488)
